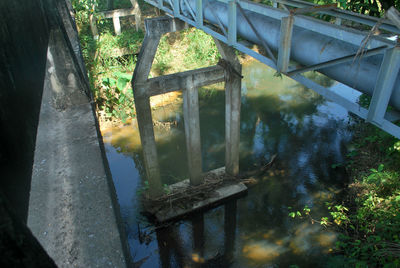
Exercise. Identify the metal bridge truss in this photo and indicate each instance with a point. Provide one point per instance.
(192, 12)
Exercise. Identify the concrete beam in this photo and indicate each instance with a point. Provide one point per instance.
(233, 87)
(118, 13)
(217, 196)
(163, 25)
(174, 82)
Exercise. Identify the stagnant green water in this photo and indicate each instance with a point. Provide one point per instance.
(278, 116)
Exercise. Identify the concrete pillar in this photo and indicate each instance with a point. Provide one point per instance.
(138, 14)
(155, 28)
(233, 88)
(192, 131)
(117, 25)
(143, 113)
(93, 27)
(230, 228)
(145, 122)
(198, 234)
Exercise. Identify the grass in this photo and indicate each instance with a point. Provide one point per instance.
(372, 235)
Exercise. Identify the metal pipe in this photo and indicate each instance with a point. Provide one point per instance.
(307, 48)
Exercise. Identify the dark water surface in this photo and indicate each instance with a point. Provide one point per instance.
(278, 116)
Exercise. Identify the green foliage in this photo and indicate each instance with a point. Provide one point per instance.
(201, 49)
(110, 46)
(163, 56)
(116, 99)
(189, 49)
(369, 220)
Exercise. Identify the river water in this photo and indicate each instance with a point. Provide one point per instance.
(307, 133)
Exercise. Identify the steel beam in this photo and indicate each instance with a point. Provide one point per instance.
(285, 43)
(334, 62)
(259, 37)
(347, 15)
(232, 23)
(199, 13)
(176, 8)
(384, 85)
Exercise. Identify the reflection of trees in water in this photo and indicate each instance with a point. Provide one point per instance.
(306, 140)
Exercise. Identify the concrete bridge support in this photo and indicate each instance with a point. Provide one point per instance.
(228, 70)
(192, 132)
(233, 86)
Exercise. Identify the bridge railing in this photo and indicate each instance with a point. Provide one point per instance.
(223, 18)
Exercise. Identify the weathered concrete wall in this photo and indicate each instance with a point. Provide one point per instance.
(24, 31)
(71, 208)
(51, 153)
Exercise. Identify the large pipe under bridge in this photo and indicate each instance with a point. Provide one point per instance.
(361, 60)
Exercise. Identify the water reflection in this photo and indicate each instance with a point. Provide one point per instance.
(278, 117)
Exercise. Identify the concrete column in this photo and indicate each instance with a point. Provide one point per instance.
(138, 14)
(198, 234)
(117, 25)
(233, 88)
(230, 228)
(93, 27)
(192, 131)
(145, 122)
(155, 28)
(143, 113)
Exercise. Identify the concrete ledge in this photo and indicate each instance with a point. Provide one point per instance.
(180, 81)
(71, 209)
(228, 189)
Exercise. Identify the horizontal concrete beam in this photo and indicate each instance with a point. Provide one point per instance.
(162, 25)
(179, 81)
(221, 193)
(118, 13)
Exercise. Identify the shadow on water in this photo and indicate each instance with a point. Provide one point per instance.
(278, 116)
